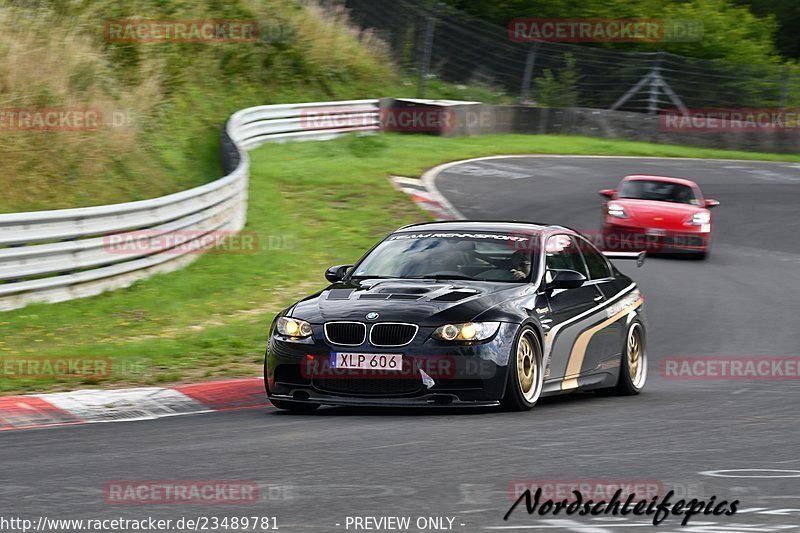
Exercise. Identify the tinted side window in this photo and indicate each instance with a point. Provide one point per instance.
(562, 253)
(598, 267)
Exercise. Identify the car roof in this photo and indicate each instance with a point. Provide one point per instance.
(498, 226)
(682, 181)
(473, 225)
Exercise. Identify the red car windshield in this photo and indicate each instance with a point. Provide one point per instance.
(661, 191)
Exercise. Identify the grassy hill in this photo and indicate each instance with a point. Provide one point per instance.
(173, 96)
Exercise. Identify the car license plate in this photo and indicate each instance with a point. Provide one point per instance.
(656, 232)
(367, 361)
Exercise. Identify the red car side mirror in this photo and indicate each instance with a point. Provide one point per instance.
(711, 203)
(608, 193)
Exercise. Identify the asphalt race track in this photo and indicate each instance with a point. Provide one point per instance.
(317, 470)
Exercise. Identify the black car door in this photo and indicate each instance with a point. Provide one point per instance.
(572, 311)
(604, 346)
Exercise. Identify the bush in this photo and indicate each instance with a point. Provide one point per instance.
(559, 90)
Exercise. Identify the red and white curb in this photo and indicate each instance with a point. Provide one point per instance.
(427, 199)
(146, 403)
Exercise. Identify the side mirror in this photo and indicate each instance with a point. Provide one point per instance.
(336, 273)
(608, 193)
(711, 203)
(566, 279)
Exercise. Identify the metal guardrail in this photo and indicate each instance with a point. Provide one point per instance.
(52, 256)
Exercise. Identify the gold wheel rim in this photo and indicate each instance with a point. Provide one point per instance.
(635, 354)
(527, 370)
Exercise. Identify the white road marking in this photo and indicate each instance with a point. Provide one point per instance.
(145, 403)
(734, 473)
(475, 170)
(571, 525)
(667, 526)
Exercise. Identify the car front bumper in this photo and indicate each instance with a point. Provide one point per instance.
(629, 238)
(434, 373)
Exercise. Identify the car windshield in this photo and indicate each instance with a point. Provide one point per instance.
(450, 255)
(662, 191)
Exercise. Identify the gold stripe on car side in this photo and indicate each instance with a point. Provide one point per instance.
(548, 338)
(578, 353)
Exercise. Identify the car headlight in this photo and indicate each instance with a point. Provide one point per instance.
(469, 331)
(616, 210)
(292, 327)
(699, 219)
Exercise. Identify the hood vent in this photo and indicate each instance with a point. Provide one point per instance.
(453, 296)
(403, 290)
(379, 296)
(373, 296)
(339, 294)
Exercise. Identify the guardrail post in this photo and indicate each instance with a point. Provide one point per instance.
(524, 96)
(785, 87)
(655, 77)
(427, 52)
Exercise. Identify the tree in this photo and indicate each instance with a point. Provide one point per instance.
(730, 31)
(787, 14)
(560, 90)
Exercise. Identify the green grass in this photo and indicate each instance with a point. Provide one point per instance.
(312, 205)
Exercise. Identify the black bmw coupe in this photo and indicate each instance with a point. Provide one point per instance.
(462, 313)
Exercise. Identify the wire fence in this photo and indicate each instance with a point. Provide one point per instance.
(439, 42)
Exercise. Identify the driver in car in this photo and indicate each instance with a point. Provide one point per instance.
(520, 264)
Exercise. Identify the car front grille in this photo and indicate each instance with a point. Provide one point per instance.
(680, 240)
(346, 333)
(382, 335)
(391, 334)
(629, 239)
(368, 387)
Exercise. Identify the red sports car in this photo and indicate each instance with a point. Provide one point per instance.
(657, 214)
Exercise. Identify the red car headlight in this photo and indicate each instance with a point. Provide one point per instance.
(616, 210)
(699, 219)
